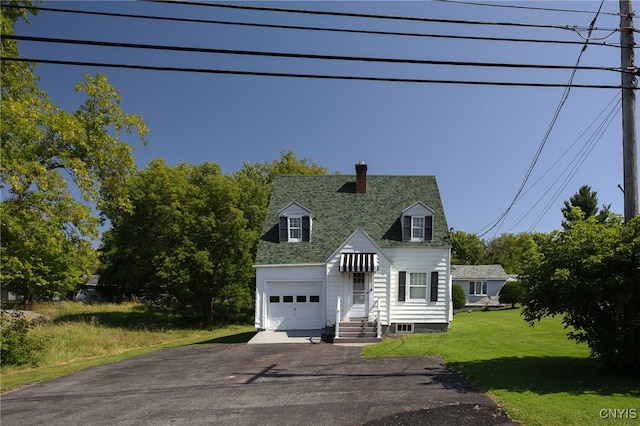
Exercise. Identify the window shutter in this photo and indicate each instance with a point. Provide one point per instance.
(428, 228)
(434, 286)
(402, 286)
(472, 288)
(284, 231)
(306, 228)
(406, 234)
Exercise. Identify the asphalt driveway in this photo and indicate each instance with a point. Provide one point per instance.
(239, 384)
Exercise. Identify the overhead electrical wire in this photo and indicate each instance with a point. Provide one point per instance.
(300, 75)
(310, 28)
(378, 16)
(302, 55)
(579, 161)
(545, 138)
(513, 6)
(611, 109)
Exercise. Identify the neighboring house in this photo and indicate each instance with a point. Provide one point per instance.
(359, 248)
(481, 283)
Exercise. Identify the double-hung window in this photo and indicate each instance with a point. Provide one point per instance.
(417, 285)
(417, 228)
(295, 229)
(478, 288)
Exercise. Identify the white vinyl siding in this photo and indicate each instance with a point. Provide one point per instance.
(428, 259)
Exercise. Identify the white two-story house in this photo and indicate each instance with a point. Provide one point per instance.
(338, 248)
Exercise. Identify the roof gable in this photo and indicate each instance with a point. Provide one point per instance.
(293, 208)
(418, 208)
(338, 211)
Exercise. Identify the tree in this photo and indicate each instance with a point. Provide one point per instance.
(185, 241)
(459, 297)
(466, 248)
(48, 154)
(589, 274)
(512, 251)
(512, 292)
(586, 201)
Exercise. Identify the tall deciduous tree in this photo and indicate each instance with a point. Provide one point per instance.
(47, 153)
(590, 274)
(186, 241)
(512, 251)
(466, 248)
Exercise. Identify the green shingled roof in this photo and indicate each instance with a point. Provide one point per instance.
(337, 211)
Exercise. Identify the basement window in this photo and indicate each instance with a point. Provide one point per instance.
(404, 328)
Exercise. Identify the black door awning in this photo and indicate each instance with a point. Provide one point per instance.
(359, 262)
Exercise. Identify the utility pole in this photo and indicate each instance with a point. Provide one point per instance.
(629, 126)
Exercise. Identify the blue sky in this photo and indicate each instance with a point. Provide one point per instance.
(479, 141)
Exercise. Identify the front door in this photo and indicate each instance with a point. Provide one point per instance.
(359, 296)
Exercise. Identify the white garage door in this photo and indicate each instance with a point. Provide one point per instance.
(294, 306)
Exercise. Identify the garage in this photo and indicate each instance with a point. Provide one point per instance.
(294, 306)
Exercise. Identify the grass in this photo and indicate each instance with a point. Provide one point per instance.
(535, 373)
(79, 336)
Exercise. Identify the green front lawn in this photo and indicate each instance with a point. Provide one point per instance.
(535, 373)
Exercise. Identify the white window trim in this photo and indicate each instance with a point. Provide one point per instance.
(420, 228)
(292, 228)
(410, 285)
(483, 286)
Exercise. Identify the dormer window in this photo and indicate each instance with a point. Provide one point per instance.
(417, 228)
(295, 229)
(417, 223)
(294, 224)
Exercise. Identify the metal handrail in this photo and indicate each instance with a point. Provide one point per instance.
(337, 335)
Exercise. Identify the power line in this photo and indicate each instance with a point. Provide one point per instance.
(309, 76)
(512, 6)
(612, 107)
(310, 28)
(301, 55)
(545, 138)
(587, 149)
(378, 16)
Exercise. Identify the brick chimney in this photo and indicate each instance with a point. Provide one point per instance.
(361, 178)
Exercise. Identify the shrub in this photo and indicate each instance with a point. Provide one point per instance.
(459, 297)
(589, 274)
(513, 292)
(17, 346)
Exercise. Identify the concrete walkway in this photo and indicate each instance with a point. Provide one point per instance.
(290, 336)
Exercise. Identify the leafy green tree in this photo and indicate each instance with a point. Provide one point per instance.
(512, 251)
(512, 292)
(466, 248)
(186, 242)
(584, 204)
(589, 274)
(459, 297)
(48, 154)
